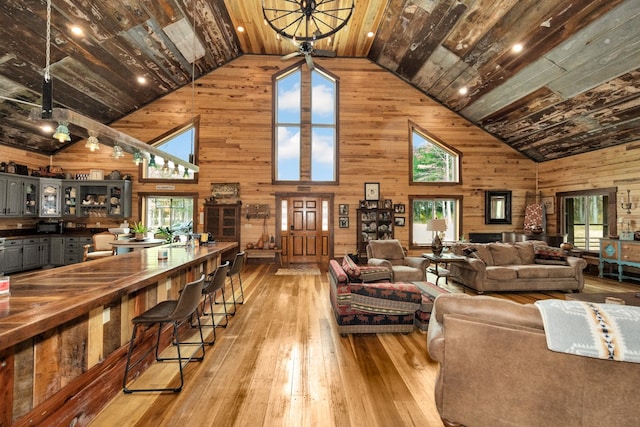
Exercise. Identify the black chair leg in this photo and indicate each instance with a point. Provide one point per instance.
(176, 341)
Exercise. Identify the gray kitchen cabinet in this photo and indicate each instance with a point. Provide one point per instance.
(30, 253)
(10, 195)
(45, 250)
(56, 250)
(13, 256)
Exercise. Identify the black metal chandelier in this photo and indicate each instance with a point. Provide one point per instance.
(307, 20)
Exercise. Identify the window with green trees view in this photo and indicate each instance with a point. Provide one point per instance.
(424, 209)
(432, 161)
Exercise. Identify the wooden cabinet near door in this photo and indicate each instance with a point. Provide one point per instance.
(223, 221)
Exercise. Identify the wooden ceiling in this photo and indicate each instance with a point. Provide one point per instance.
(573, 88)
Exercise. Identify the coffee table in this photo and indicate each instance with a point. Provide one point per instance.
(629, 298)
(444, 259)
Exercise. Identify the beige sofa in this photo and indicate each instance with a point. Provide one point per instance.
(496, 370)
(520, 266)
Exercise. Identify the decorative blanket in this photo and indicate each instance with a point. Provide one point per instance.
(603, 331)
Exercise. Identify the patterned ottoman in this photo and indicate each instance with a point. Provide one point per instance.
(379, 307)
(429, 293)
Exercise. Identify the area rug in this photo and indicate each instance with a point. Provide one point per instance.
(298, 271)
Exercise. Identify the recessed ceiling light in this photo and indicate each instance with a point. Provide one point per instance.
(517, 48)
(142, 80)
(370, 34)
(47, 128)
(463, 90)
(76, 30)
(240, 29)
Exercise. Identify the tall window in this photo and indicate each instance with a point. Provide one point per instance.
(175, 211)
(432, 161)
(180, 142)
(305, 126)
(425, 209)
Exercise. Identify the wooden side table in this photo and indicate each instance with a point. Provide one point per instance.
(444, 259)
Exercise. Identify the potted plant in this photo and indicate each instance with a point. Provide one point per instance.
(140, 230)
(166, 233)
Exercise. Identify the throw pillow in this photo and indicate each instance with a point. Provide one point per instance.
(549, 255)
(350, 267)
(471, 252)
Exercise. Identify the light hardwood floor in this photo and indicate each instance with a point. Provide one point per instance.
(281, 362)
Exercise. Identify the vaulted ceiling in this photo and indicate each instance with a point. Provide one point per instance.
(573, 88)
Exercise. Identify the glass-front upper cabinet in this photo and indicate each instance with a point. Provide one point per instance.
(50, 190)
(71, 196)
(30, 197)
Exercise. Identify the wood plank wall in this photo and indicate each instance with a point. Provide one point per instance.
(612, 167)
(235, 104)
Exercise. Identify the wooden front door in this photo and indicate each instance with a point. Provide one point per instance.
(304, 240)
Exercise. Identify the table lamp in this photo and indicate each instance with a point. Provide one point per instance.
(437, 226)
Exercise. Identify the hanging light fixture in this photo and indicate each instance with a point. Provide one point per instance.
(307, 20)
(137, 157)
(62, 132)
(47, 85)
(165, 170)
(152, 161)
(117, 152)
(64, 117)
(186, 173)
(176, 170)
(92, 142)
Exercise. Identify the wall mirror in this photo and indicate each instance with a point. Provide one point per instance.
(497, 207)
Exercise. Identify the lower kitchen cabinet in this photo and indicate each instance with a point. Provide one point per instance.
(13, 256)
(56, 251)
(30, 253)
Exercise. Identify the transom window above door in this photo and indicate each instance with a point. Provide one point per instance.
(305, 126)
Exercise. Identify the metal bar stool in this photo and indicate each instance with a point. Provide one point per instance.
(215, 282)
(236, 268)
(174, 312)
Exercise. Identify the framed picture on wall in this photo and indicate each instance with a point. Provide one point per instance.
(398, 208)
(343, 209)
(399, 221)
(344, 222)
(372, 191)
(388, 204)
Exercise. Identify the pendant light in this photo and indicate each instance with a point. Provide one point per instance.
(62, 132)
(92, 142)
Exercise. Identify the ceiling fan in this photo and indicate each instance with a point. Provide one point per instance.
(306, 48)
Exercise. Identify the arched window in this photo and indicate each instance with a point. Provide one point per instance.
(305, 126)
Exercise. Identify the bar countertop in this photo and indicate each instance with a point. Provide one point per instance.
(43, 299)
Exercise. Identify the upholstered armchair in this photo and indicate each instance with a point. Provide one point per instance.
(389, 253)
(100, 247)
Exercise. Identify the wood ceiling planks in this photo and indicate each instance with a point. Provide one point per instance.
(572, 89)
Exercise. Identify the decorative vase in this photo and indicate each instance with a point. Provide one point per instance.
(436, 246)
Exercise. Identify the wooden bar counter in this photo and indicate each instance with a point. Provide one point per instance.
(64, 331)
